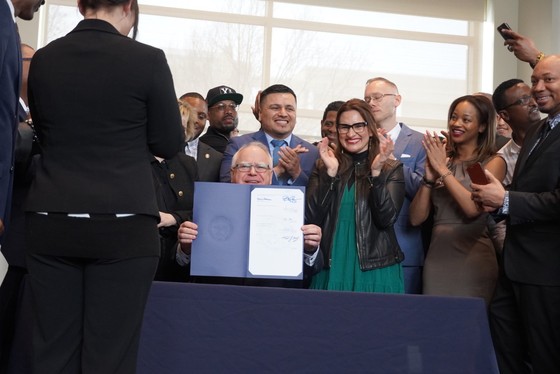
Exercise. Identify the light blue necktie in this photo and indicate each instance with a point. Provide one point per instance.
(277, 145)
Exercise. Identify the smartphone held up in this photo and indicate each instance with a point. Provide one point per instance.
(501, 28)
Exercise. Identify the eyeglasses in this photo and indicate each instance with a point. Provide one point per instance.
(376, 98)
(222, 107)
(245, 167)
(523, 100)
(357, 127)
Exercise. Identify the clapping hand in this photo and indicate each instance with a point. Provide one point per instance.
(328, 157)
(386, 148)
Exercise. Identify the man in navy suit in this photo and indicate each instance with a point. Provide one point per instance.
(10, 82)
(383, 97)
(294, 158)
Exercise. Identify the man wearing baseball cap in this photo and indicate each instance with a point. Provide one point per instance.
(222, 102)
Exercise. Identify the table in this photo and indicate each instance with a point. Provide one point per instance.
(197, 328)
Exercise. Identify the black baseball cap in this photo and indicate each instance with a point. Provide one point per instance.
(220, 93)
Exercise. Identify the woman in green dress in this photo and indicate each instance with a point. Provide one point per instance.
(354, 195)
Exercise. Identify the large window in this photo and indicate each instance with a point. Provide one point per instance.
(323, 53)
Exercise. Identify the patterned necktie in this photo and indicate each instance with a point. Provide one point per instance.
(544, 132)
(277, 145)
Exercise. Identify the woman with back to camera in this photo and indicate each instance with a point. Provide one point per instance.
(461, 260)
(354, 195)
(102, 104)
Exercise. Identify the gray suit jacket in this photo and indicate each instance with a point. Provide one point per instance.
(409, 151)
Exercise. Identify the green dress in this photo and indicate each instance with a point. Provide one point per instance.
(345, 273)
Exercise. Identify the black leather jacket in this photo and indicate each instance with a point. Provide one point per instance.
(378, 202)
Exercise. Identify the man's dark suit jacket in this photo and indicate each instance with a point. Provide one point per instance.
(208, 161)
(10, 81)
(532, 244)
(98, 131)
(307, 160)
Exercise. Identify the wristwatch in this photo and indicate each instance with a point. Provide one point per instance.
(540, 56)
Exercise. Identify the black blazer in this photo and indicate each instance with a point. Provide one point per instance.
(208, 161)
(532, 244)
(102, 104)
(180, 177)
(174, 183)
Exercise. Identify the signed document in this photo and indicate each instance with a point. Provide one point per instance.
(275, 237)
(248, 231)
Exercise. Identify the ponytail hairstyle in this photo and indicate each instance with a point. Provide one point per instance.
(97, 4)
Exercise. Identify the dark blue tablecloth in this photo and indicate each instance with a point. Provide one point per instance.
(196, 328)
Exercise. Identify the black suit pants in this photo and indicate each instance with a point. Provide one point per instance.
(89, 312)
(15, 318)
(89, 309)
(525, 327)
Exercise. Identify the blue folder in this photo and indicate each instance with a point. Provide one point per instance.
(222, 212)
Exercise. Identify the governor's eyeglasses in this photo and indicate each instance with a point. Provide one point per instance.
(260, 167)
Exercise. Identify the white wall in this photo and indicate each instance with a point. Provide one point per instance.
(533, 18)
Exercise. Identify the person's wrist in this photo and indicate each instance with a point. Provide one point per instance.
(309, 249)
(427, 180)
(185, 248)
(332, 172)
(445, 175)
(537, 59)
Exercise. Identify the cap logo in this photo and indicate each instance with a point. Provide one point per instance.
(225, 90)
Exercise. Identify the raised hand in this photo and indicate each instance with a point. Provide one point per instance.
(257, 107)
(328, 157)
(386, 148)
(436, 153)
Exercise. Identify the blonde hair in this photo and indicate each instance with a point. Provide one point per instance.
(188, 118)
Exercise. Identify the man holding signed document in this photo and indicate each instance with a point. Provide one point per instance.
(252, 164)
